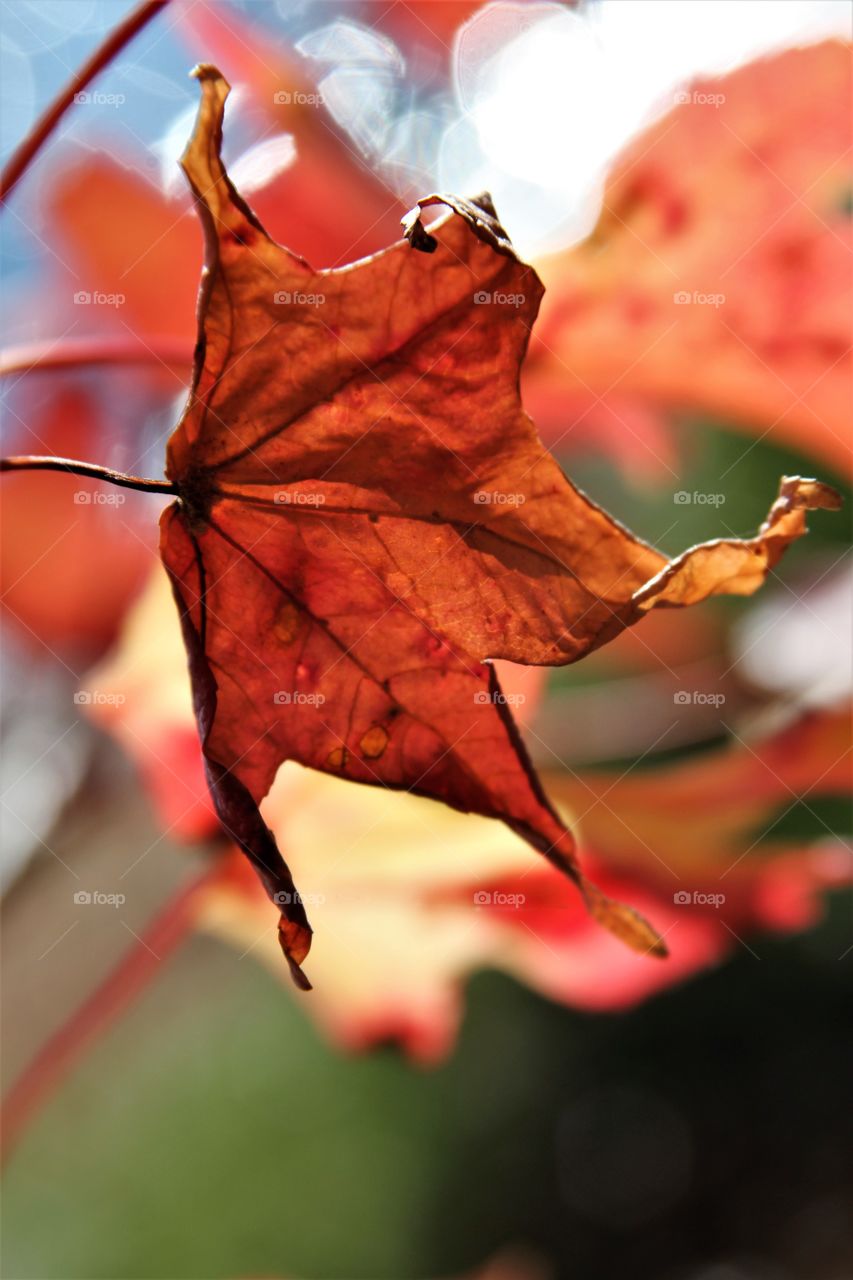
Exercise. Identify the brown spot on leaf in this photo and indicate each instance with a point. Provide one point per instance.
(243, 235)
(287, 622)
(374, 742)
(337, 758)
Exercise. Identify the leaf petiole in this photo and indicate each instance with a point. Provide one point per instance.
(72, 467)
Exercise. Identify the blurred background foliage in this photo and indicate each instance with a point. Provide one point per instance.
(209, 1124)
(214, 1134)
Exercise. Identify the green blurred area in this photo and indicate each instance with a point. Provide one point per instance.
(212, 1134)
(743, 469)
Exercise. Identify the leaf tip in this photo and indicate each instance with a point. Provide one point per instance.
(416, 233)
(624, 923)
(207, 71)
(811, 494)
(295, 942)
(297, 973)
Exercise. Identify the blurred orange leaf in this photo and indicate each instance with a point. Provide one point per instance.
(717, 279)
(72, 557)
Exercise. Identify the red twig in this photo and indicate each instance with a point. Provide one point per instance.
(73, 353)
(64, 1049)
(20, 160)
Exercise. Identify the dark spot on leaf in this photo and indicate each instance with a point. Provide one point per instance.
(241, 235)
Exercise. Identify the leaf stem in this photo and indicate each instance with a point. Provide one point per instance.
(21, 159)
(71, 466)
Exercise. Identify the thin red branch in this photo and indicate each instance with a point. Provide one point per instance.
(63, 1050)
(71, 353)
(21, 159)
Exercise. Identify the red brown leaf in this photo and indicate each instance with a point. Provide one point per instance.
(367, 517)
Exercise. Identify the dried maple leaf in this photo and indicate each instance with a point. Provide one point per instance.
(367, 516)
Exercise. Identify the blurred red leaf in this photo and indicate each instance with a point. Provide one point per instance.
(71, 556)
(339, 593)
(740, 194)
(126, 238)
(421, 22)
